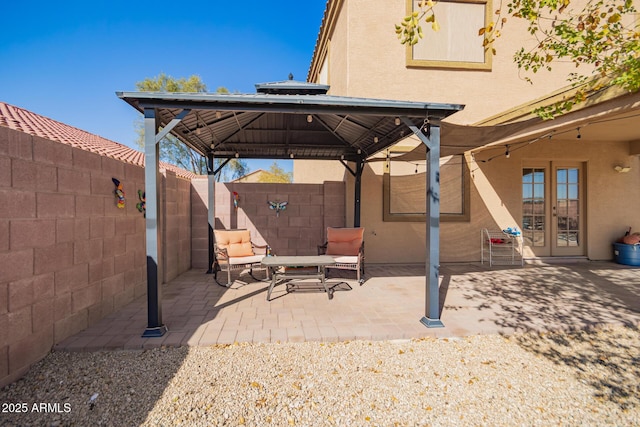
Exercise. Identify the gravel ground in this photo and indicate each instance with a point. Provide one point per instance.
(569, 378)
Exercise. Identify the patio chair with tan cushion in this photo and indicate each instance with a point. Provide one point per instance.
(234, 250)
(346, 246)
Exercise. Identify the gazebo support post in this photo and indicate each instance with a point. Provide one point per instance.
(211, 212)
(357, 174)
(155, 328)
(432, 303)
(358, 192)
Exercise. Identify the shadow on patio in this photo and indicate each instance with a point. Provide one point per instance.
(474, 299)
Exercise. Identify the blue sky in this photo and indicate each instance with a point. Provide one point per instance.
(65, 60)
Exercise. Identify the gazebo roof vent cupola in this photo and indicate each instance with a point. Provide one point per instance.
(292, 87)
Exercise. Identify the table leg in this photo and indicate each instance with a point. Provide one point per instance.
(324, 282)
(274, 277)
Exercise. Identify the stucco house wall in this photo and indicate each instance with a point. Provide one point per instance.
(366, 61)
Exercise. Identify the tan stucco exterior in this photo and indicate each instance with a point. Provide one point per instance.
(364, 59)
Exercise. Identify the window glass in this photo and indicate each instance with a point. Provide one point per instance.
(405, 187)
(457, 43)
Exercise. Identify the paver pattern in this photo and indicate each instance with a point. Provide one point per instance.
(475, 300)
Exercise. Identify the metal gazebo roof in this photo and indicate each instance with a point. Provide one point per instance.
(287, 119)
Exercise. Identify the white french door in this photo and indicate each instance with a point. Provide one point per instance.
(553, 208)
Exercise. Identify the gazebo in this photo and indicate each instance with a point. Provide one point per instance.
(287, 120)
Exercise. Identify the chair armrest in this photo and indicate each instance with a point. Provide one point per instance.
(322, 249)
(222, 252)
(266, 248)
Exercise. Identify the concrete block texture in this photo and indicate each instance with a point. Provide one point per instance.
(72, 278)
(4, 298)
(55, 205)
(23, 174)
(32, 233)
(74, 181)
(29, 350)
(5, 172)
(17, 204)
(16, 265)
(45, 151)
(53, 258)
(86, 160)
(46, 178)
(19, 145)
(4, 235)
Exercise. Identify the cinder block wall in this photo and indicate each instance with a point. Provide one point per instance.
(297, 230)
(176, 225)
(68, 255)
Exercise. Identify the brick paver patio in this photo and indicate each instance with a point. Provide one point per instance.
(476, 299)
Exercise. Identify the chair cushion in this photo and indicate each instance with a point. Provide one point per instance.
(345, 259)
(254, 259)
(344, 241)
(236, 242)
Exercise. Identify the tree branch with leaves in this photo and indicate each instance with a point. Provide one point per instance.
(172, 150)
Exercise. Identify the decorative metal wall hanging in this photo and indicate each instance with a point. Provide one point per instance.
(119, 192)
(278, 206)
(236, 200)
(142, 204)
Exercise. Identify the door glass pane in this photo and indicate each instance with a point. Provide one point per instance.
(567, 207)
(562, 239)
(573, 175)
(573, 191)
(573, 239)
(533, 206)
(538, 191)
(562, 192)
(538, 175)
(561, 176)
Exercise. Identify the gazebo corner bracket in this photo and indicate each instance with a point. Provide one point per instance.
(173, 123)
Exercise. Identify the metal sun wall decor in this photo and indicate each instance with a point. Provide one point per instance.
(278, 206)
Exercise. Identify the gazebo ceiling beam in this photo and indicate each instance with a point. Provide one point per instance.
(334, 132)
(370, 131)
(240, 126)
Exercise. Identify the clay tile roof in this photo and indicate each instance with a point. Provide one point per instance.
(34, 124)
